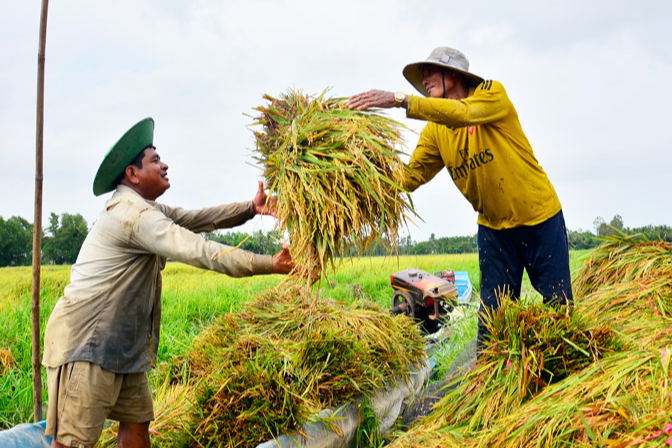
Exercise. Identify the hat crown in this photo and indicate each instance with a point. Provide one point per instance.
(442, 57)
(122, 153)
(449, 57)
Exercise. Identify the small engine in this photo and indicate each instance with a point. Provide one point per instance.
(428, 298)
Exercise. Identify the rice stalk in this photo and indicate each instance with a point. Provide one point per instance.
(367, 434)
(613, 401)
(616, 401)
(623, 259)
(611, 385)
(531, 346)
(272, 367)
(336, 175)
(640, 311)
(7, 361)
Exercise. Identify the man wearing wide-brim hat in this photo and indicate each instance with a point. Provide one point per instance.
(103, 335)
(473, 131)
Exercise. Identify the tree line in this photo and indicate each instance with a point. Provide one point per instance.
(61, 240)
(64, 236)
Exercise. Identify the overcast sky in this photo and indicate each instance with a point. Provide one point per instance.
(589, 79)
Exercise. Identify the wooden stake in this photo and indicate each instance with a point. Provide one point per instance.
(37, 226)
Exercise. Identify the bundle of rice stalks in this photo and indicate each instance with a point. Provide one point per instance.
(623, 259)
(532, 345)
(627, 285)
(640, 311)
(6, 361)
(622, 400)
(614, 386)
(173, 404)
(268, 370)
(336, 174)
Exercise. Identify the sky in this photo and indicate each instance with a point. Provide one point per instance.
(589, 80)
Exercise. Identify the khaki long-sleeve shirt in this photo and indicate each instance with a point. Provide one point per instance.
(110, 312)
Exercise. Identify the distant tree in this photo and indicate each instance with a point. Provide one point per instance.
(599, 225)
(580, 240)
(653, 233)
(617, 222)
(64, 238)
(432, 244)
(457, 245)
(422, 248)
(602, 229)
(406, 245)
(16, 242)
(259, 242)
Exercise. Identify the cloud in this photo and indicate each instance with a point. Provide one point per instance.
(587, 80)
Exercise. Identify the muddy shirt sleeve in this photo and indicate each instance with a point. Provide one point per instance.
(210, 218)
(159, 234)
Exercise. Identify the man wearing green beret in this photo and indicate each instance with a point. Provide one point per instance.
(103, 335)
(473, 131)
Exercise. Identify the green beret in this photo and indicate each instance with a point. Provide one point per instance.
(121, 154)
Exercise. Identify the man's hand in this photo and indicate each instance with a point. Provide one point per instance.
(282, 261)
(263, 205)
(372, 98)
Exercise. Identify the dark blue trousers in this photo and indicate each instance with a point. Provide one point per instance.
(542, 250)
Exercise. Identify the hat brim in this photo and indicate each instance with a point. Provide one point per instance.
(413, 73)
(121, 154)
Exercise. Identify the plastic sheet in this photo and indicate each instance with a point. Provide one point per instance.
(388, 405)
(29, 435)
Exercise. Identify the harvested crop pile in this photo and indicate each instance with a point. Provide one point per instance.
(267, 370)
(624, 260)
(336, 175)
(599, 374)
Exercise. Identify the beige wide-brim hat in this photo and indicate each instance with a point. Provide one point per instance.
(441, 57)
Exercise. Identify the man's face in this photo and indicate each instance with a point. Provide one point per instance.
(433, 79)
(153, 176)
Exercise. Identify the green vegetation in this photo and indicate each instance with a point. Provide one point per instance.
(64, 236)
(16, 242)
(60, 243)
(593, 375)
(258, 242)
(192, 299)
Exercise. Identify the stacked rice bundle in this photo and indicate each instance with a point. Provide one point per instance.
(336, 174)
(624, 260)
(598, 374)
(265, 371)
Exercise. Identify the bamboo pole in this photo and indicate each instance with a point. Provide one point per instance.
(37, 226)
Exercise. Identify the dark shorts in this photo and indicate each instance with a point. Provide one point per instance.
(541, 250)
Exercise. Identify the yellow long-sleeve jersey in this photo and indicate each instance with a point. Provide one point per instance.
(482, 145)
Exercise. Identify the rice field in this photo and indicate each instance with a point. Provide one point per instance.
(192, 298)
